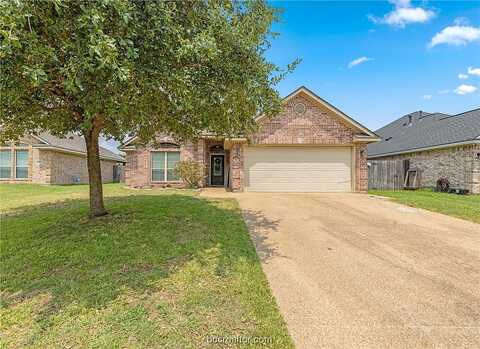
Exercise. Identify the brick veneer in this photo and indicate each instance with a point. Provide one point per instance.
(316, 125)
(459, 164)
(236, 167)
(55, 167)
(138, 169)
(361, 168)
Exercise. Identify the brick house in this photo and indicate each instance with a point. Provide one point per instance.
(47, 159)
(310, 146)
(437, 145)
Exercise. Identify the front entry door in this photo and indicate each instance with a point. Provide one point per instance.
(217, 169)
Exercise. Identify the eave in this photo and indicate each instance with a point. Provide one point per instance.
(420, 149)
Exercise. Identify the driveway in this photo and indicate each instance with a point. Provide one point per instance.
(357, 271)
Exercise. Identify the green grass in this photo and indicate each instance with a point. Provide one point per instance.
(460, 206)
(165, 269)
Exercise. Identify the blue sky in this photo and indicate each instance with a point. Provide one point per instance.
(402, 72)
(398, 71)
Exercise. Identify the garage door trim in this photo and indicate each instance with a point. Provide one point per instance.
(334, 169)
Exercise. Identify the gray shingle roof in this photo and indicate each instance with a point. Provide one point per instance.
(426, 130)
(76, 143)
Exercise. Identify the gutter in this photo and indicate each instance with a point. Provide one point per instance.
(416, 150)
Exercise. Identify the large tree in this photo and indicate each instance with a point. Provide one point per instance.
(117, 67)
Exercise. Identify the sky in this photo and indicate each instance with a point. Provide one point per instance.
(377, 61)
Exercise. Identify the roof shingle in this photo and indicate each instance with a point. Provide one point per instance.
(76, 143)
(423, 130)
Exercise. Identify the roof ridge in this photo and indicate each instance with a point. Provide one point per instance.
(401, 117)
(459, 114)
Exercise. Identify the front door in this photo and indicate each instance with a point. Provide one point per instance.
(217, 169)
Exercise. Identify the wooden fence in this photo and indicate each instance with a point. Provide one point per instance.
(386, 174)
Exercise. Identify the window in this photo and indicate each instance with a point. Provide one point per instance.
(163, 164)
(5, 164)
(172, 159)
(21, 164)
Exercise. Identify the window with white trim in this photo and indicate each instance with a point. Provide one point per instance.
(21, 164)
(5, 164)
(163, 165)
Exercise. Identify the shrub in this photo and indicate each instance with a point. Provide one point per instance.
(190, 172)
(443, 185)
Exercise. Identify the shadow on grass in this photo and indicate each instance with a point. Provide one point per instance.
(56, 249)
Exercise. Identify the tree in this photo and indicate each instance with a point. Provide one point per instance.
(119, 67)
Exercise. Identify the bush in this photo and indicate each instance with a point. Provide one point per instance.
(443, 185)
(190, 172)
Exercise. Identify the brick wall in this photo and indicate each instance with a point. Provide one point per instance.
(53, 167)
(361, 168)
(458, 164)
(315, 125)
(138, 168)
(236, 167)
(64, 168)
(475, 173)
(41, 166)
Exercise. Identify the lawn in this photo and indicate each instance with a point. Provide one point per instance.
(460, 206)
(165, 269)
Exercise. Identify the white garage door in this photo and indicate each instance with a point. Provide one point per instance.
(298, 169)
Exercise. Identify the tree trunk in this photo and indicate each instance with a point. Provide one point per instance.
(94, 173)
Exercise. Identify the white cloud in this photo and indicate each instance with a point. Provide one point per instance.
(461, 21)
(465, 89)
(462, 76)
(443, 92)
(400, 3)
(456, 35)
(474, 71)
(404, 14)
(358, 61)
(427, 97)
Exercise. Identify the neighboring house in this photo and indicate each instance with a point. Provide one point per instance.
(438, 145)
(46, 159)
(310, 146)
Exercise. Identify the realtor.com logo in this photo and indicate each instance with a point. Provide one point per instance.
(235, 340)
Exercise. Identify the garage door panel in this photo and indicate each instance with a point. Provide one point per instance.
(298, 169)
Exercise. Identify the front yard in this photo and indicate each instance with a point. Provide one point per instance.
(460, 206)
(164, 269)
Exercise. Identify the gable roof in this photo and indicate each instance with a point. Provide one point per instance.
(349, 120)
(369, 135)
(73, 143)
(421, 131)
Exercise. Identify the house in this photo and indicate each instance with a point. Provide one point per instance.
(47, 159)
(310, 146)
(437, 145)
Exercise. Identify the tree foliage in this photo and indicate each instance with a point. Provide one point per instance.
(119, 67)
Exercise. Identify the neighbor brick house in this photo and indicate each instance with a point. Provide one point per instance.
(310, 146)
(437, 145)
(47, 159)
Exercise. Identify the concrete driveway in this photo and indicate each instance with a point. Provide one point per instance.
(356, 271)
